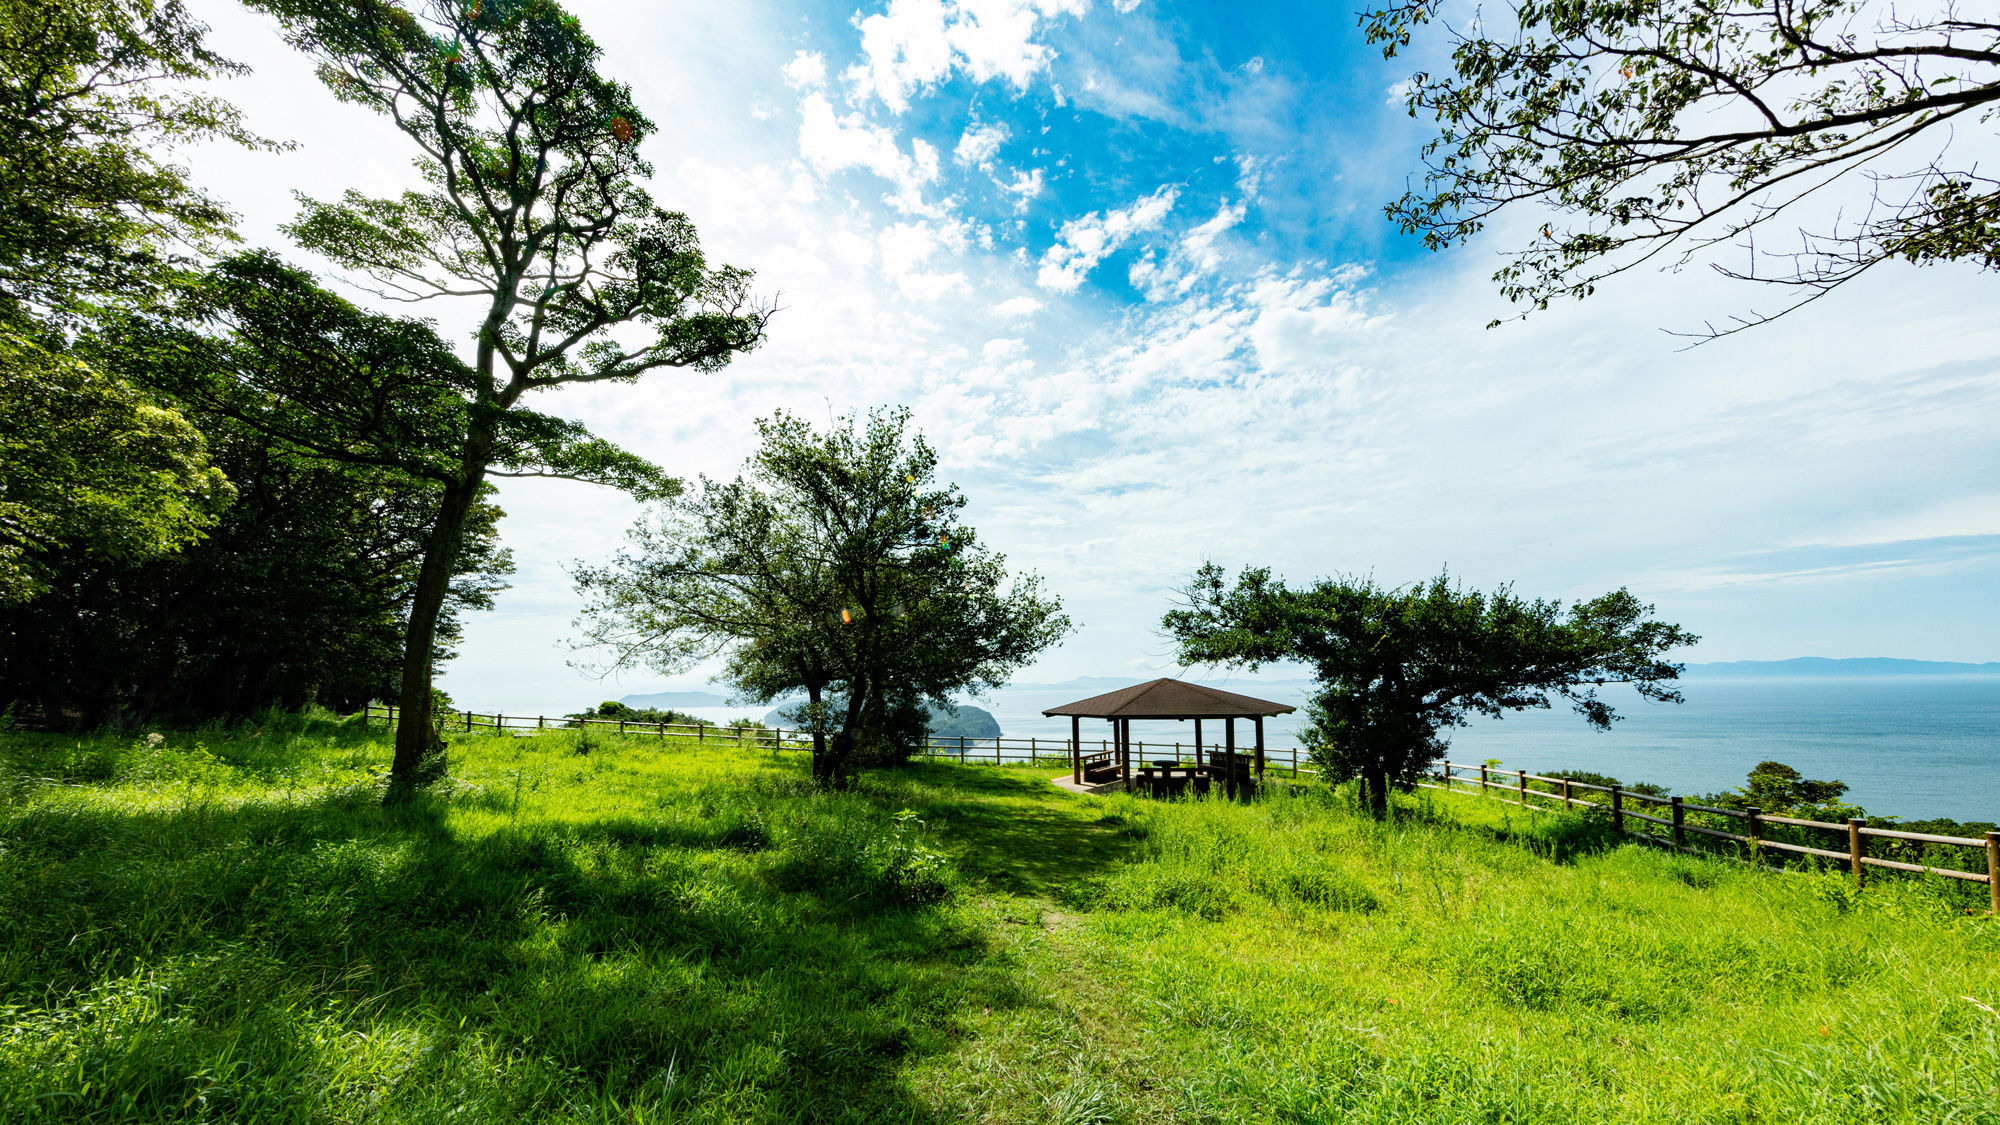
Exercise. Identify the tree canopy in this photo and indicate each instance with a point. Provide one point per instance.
(836, 568)
(536, 215)
(93, 204)
(1660, 130)
(1398, 667)
(89, 463)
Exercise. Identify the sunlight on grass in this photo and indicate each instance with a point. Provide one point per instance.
(227, 925)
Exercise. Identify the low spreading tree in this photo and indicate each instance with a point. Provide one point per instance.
(1636, 131)
(834, 568)
(1397, 668)
(534, 218)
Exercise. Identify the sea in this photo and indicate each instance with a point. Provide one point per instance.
(1910, 746)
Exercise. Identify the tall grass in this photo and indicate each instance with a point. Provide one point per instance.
(227, 925)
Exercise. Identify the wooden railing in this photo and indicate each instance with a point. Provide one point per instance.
(1753, 844)
(1000, 751)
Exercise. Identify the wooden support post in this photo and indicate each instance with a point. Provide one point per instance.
(1259, 721)
(1680, 833)
(1034, 750)
(1229, 755)
(1121, 729)
(541, 722)
(1197, 742)
(1523, 776)
(1856, 848)
(1076, 749)
(621, 726)
(1566, 801)
(1993, 870)
(1754, 828)
(1617, 809)
(700, 731)
(1482, 779)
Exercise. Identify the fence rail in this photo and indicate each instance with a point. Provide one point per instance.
(1000, 751)
(1552, 793)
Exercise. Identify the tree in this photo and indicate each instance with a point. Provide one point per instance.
(314, 377)
(1667, 127)
(93, 211)
(535, 215)
(87, 463)
(296, 595)
(1397, 667)
(92, 206)
(836, 568)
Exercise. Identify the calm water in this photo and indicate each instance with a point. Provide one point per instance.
(1909, 746)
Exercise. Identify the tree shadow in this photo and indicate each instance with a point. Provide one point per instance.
(1018, 833)
(601, 956)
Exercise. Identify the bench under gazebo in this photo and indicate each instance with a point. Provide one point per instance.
(1179, 701)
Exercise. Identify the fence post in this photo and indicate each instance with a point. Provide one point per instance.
(1756, 833)
(1856, 848)
(1524, 787)
(1566, 803)
(1034, 750)
(1993, 869)
(541, 722)
(1617, 809)
(700, 731)
(1482, 779)
(1680, 834)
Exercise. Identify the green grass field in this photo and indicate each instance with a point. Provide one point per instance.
(228, 926)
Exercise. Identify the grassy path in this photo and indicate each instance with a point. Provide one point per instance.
(230, 927)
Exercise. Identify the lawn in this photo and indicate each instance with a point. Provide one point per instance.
(227, 925)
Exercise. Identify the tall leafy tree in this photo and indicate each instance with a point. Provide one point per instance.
(534, 214)
(94, 97)
(835, 567)
(1655, 130)
(316, 378)
(1398, 667)
(94, 211)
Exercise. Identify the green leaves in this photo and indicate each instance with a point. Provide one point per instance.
(87, 462)
(1673, 127)
(834, 567)
(94, 205)
(1397, 666)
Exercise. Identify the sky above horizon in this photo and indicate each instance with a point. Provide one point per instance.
(1127, 264)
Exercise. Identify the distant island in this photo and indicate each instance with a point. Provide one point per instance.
(969, 722)
(1817, 667)
(668, 699)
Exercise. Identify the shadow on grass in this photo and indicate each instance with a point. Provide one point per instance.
(550, 964)
(1013, 831)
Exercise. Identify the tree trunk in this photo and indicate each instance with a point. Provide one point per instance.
(1375, 788)
(416, 735)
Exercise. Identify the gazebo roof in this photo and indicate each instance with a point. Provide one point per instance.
(1170, 699)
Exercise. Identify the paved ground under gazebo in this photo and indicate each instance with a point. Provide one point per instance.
(1112, 770)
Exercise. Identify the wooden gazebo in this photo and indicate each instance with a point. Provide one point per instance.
(1179, 701)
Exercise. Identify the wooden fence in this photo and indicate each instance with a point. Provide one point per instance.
(1001, 751)
(1754, 844)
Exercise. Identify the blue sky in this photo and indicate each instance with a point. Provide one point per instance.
(1127, 263)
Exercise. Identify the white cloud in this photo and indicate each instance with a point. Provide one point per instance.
(907, 247)
(807, 70)
(1014, 307)
(915, 44)
(1082, 243)
(1027, 185)
(833, 144)
(980, 144)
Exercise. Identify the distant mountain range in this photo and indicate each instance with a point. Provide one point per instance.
(1816, 667)
(665, 699)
